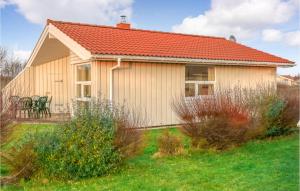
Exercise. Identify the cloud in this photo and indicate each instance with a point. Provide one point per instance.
(242, 18)
(3, 3)
(272, 35)
(88, 11)
(22, 54)
(291, 38)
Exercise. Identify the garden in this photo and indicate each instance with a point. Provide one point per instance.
(235, 140)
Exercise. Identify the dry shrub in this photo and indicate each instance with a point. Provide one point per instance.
(249, 113)
(223, 119)
(291, 95)
(169, 145)
(128, 137)
(221, 133)
(6, 120)
(22, 161)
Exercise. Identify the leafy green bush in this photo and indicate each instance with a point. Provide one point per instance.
(90, 145)
(274, 116)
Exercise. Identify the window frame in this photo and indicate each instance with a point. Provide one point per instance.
(83, 83)
(200, 82)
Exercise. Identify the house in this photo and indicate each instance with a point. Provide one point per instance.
(143, 69)
(287, 80)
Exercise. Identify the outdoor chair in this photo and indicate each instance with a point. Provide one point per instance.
(48, 105)
(40, 107)
(25, 105)
(13, 100)
(35, 99)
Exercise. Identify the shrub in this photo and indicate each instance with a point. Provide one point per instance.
(279, 114)
(6, 121)
(94, 143)
(21, 162)
(168, 145)
(216, 119)
(221, 133)
(291, 112)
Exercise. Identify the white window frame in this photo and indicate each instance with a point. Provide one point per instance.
(197, 83)
(82, 83)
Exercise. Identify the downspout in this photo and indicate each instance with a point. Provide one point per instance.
(111, 79)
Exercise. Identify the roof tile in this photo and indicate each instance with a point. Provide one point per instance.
(116, 41)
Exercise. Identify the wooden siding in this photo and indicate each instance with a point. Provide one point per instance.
(245, 76)
(147, 88)
(53, 79)
(22, 85)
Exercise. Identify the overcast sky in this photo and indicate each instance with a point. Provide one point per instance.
(268, 25)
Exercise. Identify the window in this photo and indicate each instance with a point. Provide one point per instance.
(83, 81)
(199, 80)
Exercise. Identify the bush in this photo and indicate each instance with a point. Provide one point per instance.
(279, 114)
(291, 112)
(221, 133)
(169, 144)
(92, 144)
(21, 162)
(220, 121)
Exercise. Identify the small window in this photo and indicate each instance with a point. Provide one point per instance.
(199, 80)
(199, 73)
(83, 83)
(205, 89)
(189, 90)
(78, 90)
(84, 72)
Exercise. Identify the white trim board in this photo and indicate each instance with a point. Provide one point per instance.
(189, 60)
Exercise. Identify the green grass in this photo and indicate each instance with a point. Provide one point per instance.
(258, 165)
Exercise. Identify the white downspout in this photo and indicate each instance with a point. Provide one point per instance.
(111, 79)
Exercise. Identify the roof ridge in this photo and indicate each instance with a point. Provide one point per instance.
(133, 29)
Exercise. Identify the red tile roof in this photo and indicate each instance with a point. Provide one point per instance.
(115, 41)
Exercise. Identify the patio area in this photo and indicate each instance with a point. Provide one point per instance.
(34, 109)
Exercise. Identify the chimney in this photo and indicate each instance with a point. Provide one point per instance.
(123, 24)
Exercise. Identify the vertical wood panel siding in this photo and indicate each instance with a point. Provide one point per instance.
(53, 79)
(146, 88)
(22, 85)
(245, 77)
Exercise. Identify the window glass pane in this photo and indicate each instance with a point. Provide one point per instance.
(189, 90)
(199, 73)
(87, 91)
(205, 89)
(84, 72)
(78, 90)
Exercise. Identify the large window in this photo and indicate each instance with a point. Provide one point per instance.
(83, 81)
(199, 80)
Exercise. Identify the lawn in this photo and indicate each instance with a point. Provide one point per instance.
(258, 165)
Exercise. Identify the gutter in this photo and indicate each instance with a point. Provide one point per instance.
(111, 79)
(189, 60)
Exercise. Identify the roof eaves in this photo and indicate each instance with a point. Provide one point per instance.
(188, 60)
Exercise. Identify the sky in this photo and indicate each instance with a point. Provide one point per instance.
(272, 26)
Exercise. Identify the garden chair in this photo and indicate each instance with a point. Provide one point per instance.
(13, 100)
(35, 99)
(48, 105)
(25, 105)
(40, 107)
